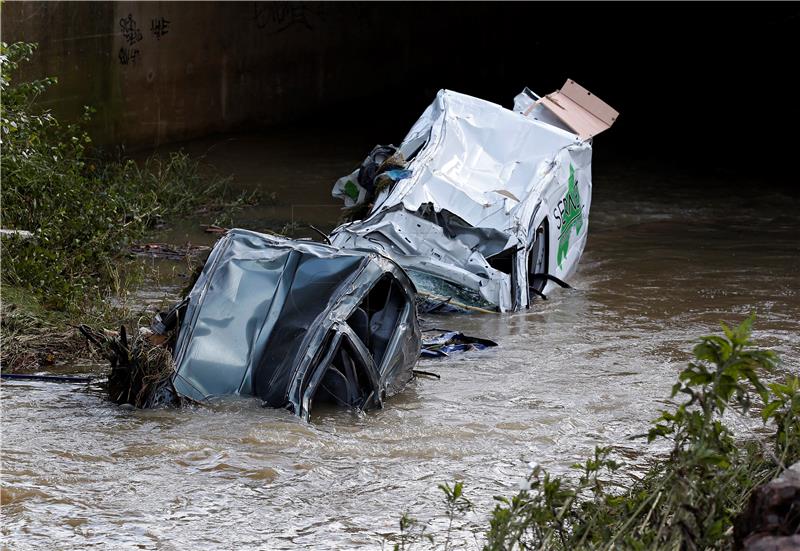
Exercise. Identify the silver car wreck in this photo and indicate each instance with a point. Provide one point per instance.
(295, 323)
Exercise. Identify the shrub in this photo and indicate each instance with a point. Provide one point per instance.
(83, 212)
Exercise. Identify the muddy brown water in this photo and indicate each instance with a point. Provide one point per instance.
(667, 257)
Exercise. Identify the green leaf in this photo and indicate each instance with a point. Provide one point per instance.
(769, 411)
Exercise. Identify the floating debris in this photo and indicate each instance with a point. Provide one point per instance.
(170, 252)
(443, 344)
(211, 228)
(142, 366)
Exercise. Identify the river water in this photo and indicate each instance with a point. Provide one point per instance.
(668, 255)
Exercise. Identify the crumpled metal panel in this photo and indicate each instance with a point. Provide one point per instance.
(494, 170)
(265, 311)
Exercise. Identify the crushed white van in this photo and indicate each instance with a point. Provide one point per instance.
(484, 207)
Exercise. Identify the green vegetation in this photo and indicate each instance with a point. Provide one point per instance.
(686, 500)
(83, 211)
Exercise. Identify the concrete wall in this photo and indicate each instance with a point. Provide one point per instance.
(221, 65)
(167, 71)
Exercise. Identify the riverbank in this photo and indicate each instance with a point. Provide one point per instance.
(33, 338)
(71, 215)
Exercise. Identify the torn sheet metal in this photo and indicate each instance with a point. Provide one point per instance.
(494, 203)
(296, 323)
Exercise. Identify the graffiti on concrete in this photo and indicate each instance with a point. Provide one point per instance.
(131, 34)
(159, 26)
(128, 56)
(276, 17)
(130, 31)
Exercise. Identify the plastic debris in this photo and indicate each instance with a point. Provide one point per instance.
(442, 345)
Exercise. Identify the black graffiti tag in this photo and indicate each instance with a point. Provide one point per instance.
(130, 31)
(276, 17)
(128, 55)
(159, 27)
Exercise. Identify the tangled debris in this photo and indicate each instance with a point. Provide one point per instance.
(170, 252)
(142, 366)
(379, 171)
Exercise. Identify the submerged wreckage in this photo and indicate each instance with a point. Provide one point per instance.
(295, 322)
(479, 208)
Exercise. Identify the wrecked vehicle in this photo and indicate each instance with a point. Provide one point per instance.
(483, 207)
(295, 323)
(479, 208)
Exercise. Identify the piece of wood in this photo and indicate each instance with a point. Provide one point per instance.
(586, 114)
(589, 102)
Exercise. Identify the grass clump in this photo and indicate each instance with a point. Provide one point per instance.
(31, 337)
(688, 499)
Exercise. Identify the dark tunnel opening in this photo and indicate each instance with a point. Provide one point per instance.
(701, 87)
